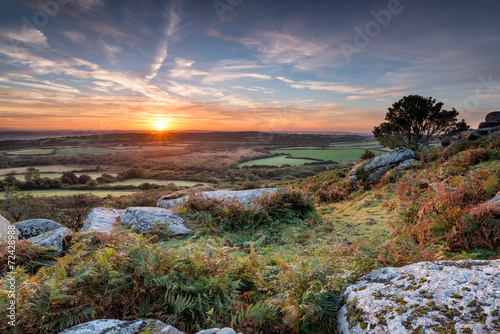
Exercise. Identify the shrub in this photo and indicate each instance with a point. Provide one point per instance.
(282, 207)
(367, 155)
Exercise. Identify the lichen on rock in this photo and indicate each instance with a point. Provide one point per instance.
(426, 297)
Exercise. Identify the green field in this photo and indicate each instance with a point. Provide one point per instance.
(276, 161)
(136, 182)
(34, 151)
(58, 192)
(371, 145)
(337, 155)
(45, 169)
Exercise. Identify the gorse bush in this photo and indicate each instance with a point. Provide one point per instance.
(282, 207)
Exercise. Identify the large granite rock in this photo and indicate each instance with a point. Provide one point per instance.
(378, 166)
(33, 227)
(5, 227)
(426, 297)
(490, 124)
(242, 196)
(101, 220)
(111, 326)
(52, 238)
(147, 219)
(493, 116)
(141, 326)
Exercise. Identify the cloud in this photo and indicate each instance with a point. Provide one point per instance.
(29, 36)
(285, 79)
(286, 48)
(173, 16)
(75, 37)
(88, 5)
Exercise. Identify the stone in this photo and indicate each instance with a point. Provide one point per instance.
(472, 135)
(425, 297)
(33, 227)
(494, 136)
(225, 330)
(495, 200)
(52, 238)
(486, 131)
(493, 116)
(101, 220)
(242, 196)
(5, 227)
(147, 219)
(112, 326)
(445, 141)
(408, 163)
(489, 124)
(378, 166)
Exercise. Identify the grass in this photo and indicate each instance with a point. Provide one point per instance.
(341, 155)
(34, 151)
(59, 192)
(136, 182)
(276, 161)
(362, 218)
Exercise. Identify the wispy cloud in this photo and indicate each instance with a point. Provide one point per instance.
(173, 17)
(29, 36)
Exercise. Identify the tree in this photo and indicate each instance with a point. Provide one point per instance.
(367, 154)
(414, 121)
(32, 174)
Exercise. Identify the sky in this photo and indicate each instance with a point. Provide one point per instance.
(264, 65)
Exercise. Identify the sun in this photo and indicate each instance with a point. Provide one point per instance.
(160, 125)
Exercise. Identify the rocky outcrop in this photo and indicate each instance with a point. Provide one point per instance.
(52, 238)
(487, 128)
(493, 116)
(101, 220)
(141, 326)
(378, 166)
(111, 326)
(33, 227)
(5, 227)
(242, 196)
(147, 219)
(426, 297)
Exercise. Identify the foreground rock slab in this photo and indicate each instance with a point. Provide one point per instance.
(426, 297)
(378, 166)
(242, 196)
(141, 326)
(33, 227)
(52, 238)
(147, 219)
(5, 228)
(111, 326)
(101, 220)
